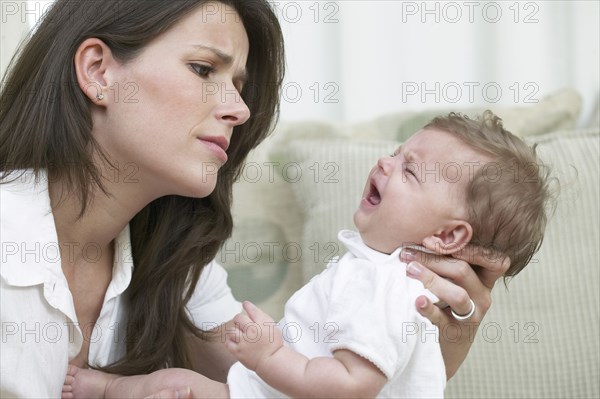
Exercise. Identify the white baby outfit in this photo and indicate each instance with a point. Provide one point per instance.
(364, 303)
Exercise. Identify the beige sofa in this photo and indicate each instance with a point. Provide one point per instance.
(541, 337)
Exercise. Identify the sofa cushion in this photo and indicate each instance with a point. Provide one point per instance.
(540, 338)
(556, 111)
(334, 175)
(259, 257)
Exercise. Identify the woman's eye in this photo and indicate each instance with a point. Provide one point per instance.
(202, 70)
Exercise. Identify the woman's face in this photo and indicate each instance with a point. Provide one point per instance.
(171, 111)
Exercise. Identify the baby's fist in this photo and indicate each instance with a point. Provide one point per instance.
(256, 337)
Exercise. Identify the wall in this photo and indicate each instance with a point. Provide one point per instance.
(407, 55)
(351, 60)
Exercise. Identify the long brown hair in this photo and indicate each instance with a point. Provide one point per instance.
(45, 125)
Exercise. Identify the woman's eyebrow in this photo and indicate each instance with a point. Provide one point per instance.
(225, 58)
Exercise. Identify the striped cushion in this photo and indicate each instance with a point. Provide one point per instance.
(540, 338)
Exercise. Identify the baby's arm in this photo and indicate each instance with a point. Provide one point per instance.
(345, 375)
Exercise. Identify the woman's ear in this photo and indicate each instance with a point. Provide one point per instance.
(91, 61)
(454, 237)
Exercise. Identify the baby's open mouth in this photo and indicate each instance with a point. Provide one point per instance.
(373, 196)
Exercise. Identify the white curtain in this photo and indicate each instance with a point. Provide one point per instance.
(353, 60)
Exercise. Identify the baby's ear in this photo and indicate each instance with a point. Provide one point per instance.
(454, 237)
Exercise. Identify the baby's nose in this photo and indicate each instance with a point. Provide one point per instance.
(385, 164)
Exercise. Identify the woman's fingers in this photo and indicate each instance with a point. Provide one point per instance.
(179, 393)
(446, 266)
(427, 309)
(468, 275)
(475, 269)
(454, 295)
(493, 264)
(454, 269)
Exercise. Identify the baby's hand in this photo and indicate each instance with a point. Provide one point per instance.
(256, 337)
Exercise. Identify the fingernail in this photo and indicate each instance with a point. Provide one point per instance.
(408, 254)
(413, 269)
(182, 393)
(429, 242)
(421, 303)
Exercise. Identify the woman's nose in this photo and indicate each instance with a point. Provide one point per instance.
(233, 110)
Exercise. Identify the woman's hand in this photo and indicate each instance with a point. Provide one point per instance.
(181, 393)
(209, 356)
(455, 282)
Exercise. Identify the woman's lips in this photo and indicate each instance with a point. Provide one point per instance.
(216, 147)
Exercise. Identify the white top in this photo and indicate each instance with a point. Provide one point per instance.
(40, 332)
(364, 303)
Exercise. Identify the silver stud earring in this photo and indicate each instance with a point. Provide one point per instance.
(100, 97)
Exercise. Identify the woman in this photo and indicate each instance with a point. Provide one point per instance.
(122, 128)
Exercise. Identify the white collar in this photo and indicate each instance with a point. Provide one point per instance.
(353, 241)
(30, 252)
(27, 230)
(356, 246)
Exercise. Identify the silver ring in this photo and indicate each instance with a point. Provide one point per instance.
(465, 316)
